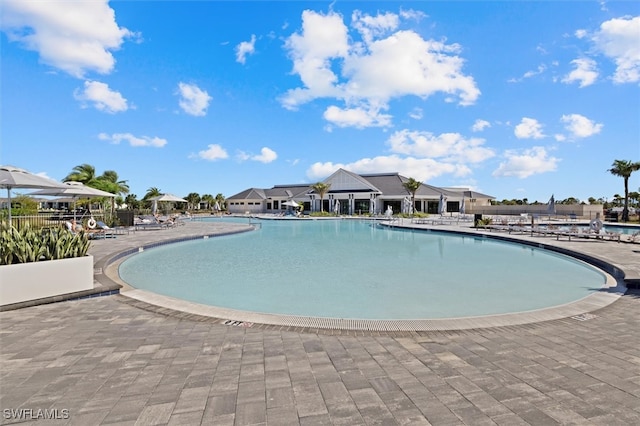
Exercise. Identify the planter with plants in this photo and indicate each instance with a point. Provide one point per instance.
(35, 264)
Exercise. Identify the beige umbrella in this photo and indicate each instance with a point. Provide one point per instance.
(13, 177)
(74, 190)
(165, 197)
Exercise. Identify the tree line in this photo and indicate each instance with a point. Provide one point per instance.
(109, 181)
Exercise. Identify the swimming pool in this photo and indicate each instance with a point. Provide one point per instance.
(356, 269)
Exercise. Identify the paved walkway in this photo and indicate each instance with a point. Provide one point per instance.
(107, 361)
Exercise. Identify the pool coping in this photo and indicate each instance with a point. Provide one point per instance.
(610, 292)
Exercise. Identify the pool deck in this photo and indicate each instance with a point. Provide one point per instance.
(118, 360)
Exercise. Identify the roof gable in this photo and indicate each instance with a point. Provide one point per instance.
(249, 194)
(343, 180)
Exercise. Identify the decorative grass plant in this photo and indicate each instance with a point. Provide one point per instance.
(30, 245)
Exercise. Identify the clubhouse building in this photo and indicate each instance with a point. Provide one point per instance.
(354, 194)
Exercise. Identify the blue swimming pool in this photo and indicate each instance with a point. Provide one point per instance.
(356, 269)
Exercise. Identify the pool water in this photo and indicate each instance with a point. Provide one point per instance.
(357, 269)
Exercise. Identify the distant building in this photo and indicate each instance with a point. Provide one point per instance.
(354, 194)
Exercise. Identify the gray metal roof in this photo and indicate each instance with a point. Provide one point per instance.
(386, 184)
(288, 191)
(249, 194)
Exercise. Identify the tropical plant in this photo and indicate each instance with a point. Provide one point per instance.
(321, 188)
(412, 185)
(132, 202)
(23, 205)
(624, 168)
(209, 200)
(28, 245)
(151, 192)
(193, 199)
(85, 173)
(222, 202)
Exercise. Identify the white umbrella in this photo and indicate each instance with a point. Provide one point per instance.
(74, 190)
(442, 206)
(165, 197)
(216, 206)
(336, 207)
(13, 177)
(462, 208)
(168, 197)
(291, 203)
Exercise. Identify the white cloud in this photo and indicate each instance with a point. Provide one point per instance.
(102, 97)
(245, 48)
(193, 100)
(529, 128)
(618, 40)
(75, 37)
(580, 126)
(421, 169)
(449, 147)
(267, 155)
(371, 27)
(480, 125)
(367, 74)
(525, 163)
(212, 153)
(416, 113)
(136, 141)
(586, 72)
(356, 117)
(529, 74)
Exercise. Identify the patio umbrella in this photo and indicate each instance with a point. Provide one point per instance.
(216, 207)
(165, 197)
(442, 206)
(13, 177)
(291, 203)
(74, 190)
(336, 207)
(462, 208)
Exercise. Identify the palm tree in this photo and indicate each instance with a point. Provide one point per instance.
(208, 198)
(131, 200)
(412, 185)
(321, 188)
(151, 192)
(624, 168)
(193, 199)
(119, 186)
(109, 182)
(221, 201)
(84, 173)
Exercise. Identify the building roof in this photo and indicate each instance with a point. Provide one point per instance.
(382, 184)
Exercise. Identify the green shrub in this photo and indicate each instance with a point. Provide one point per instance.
(321, 214)
(27, 245)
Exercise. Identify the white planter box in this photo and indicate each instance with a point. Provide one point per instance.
(35, 280)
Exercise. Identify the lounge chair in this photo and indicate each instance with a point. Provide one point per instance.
(108, 232)
(148, 222)
(76, 228)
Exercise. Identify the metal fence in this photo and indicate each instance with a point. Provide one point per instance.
(50, 220)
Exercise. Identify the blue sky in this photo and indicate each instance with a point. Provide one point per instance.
(514, 99)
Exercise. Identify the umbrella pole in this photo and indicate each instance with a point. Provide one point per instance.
(9, 197)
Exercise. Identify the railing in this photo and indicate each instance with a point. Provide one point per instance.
(49, 220)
